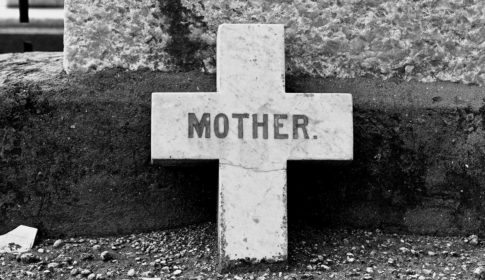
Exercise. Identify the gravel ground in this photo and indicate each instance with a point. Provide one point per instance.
(191, 253)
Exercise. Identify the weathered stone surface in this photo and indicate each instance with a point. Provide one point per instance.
(30, 68)
(411, 40)
(128, 34)
(418, 152)
(252, 159)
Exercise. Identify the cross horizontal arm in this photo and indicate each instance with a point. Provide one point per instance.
(260, 134)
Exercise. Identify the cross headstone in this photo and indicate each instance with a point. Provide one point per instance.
(252, 127)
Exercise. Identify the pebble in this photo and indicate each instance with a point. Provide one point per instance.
(28, 258)
(58, 243)
(74, 271)
(106, 256)
(131, 272)
(91, 276)
(86, 257)
(479, 272)
(177, 272)
(473, 239)
(97, 247)
(41, 250)
(409, 69)
(307, 276)
(53, 265)
(85, 272)
(404, 249)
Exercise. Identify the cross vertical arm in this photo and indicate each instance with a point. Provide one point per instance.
(252, 217)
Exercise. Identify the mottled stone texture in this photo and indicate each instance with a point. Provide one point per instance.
(75, 155)
(102, 34)
(422, 40)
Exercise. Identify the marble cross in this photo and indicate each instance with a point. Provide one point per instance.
(253, 128)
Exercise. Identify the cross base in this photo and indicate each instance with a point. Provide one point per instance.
(252, 220)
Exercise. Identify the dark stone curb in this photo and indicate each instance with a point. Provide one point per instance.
(74, 155)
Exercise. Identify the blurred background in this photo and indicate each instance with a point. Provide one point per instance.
(31, 25)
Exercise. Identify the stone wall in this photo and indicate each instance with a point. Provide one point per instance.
(426, 40)
(75, 155)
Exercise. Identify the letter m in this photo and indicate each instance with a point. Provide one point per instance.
(199, 126)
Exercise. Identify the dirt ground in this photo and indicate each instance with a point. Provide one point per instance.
(191, 253)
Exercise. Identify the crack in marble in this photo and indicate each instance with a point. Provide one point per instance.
(255, 169)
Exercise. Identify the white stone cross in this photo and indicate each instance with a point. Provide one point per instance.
(252, 127)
